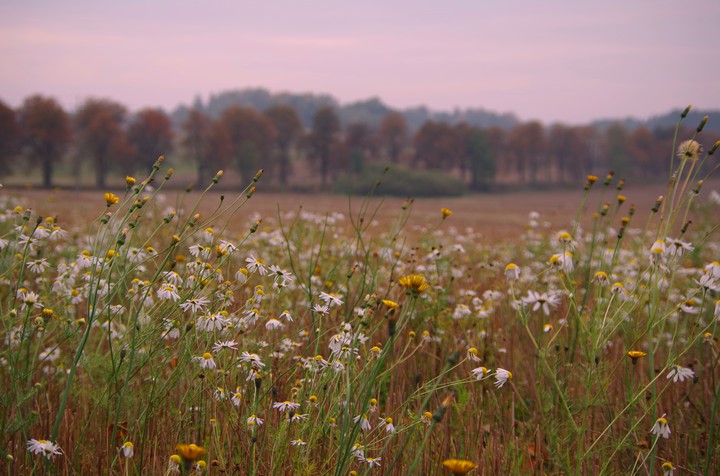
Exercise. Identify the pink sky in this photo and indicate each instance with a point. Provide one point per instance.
(566, 60)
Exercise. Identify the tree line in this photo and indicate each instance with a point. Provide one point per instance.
(103, 134)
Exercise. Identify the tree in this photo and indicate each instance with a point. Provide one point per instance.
(437, 146)
(206, 141)
(527, 143)
(324, 138)
(615, 147)
(288, 129)
(101, 136)
(9, 137)
(480, 159)
(46, 133)
(151, 135)
(569, 147)
(251, 136)
(393, 135)
(359, 143)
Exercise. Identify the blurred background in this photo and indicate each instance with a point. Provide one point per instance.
(467, 96)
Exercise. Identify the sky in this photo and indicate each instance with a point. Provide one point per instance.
(568, 61)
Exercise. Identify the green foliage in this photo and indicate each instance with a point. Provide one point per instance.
(394, 180)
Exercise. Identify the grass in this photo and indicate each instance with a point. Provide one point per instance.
(240, 333)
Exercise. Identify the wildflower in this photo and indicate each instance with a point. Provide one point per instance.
(168, 292)
(563, 261)
(111, 199)
(364, 422)
(689, 150)
(372, 461)
(38, 265)
(661, 428)
(297, 442)
(200, 466)
(591, 179)
(601, 278)
(330, 299)
(129, 181)
(253, 421)
(667, 468)
(358, 451)
(206, 361)
(657, 251)
(256, 264)
(501, 377)
(472, 354)
(220, 394)
(189, 453)
(375, 351)
(273, 324)
(426, 418)
(298, 417)
(174, 464)
(228, 344)
(445, 213)
(459, 466)
(414, 282)
(283, 407)
(388, 424)
(547, 328)
(512, 272)
(194, 305)
(546, 301)
(127, 449)
(44, 447)
(680, 374)
(479, 373)
(390, 304)
(635, 355)
(564, 238)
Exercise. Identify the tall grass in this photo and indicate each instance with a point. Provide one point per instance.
(157, 340)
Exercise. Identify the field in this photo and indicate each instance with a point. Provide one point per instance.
(148, 331)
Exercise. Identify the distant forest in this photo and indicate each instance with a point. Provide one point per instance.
(309, 142)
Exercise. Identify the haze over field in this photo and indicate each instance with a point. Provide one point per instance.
(561, 61)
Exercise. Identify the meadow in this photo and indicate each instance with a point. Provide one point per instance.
(148, 331)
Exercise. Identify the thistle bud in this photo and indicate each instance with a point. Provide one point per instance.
(701, 126)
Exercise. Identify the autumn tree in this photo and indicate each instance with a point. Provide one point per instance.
(497, 143)
(393, 135)
(206, 142)
(527, 143)
(101, 136)
(359, 145)
(151, 135)
(569, 148)
(288, 130)
(437, 146)
(323, 139)
(46, 132)
(9, 137)
(251, 136)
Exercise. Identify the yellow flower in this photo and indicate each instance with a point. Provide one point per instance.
(445, 213)
(390, 304)
(459, 466)
(635, 355)
(111, 199)
(190, 452)
(130, 181)
(414, 282)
